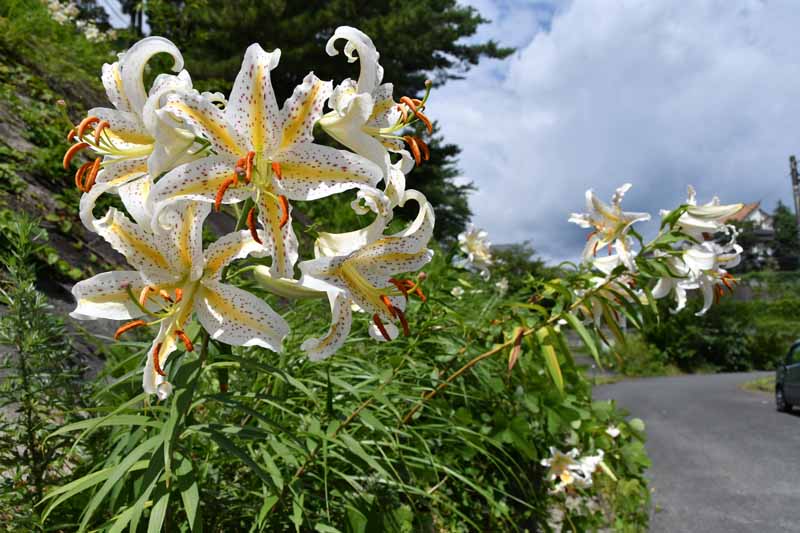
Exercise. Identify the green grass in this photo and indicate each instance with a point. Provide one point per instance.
(765, 384)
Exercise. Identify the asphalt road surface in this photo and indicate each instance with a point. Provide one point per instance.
(723, 459)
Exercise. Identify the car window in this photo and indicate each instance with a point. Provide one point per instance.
(794, 355)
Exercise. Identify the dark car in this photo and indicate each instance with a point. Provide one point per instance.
(787, 380)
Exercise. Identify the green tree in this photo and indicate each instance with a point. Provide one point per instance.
(39, 388)
(786, 238)
(417, 40)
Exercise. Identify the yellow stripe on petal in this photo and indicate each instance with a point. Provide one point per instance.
(230, 312)
(141, 247)
(300, 120)
(215, 129)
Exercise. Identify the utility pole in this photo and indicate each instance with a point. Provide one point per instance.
(795, 188)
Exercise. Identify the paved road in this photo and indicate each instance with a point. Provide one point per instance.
(723, 459)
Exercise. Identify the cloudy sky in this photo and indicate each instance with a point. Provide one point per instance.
(659, 93)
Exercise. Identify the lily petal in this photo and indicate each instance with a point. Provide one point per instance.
(280, 241)
(112, 82)
(181, 225)
(236, 317)
(105, 296)
(227, 249)
(252, 109)
(371, 73)
(112, 177)
(341, 322)
(132, 67)
(139, 246)
(348, 129)
(198, 181)
(302, 110)
(192, 111)
(311, 171)
(134, 195)
(152, 381)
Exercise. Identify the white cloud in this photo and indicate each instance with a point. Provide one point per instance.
(655, 92)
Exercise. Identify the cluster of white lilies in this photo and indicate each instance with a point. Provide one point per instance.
(173, 154)
(698, 261)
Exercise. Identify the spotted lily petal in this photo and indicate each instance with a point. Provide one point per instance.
(106, 296)
(227, 249)
(312, 171)
(302, 110)
(252, 108)
(139, 246)
(236, 317)
(341, 321)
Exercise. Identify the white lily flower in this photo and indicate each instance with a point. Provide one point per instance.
(131, 146)
(611, 225)
(612, 431)
(363, 274)
(676, 284)
(365, 117)
(701, 222)
(173, 279)
(707, 263)
(474, 244)
(563, 467)
(261, 152)
(588, 465)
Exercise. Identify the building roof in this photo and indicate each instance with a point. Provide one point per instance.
(744, 212)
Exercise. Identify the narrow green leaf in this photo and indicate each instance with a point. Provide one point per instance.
(119, 471)
(585, 336)
(550, 359)
(225, 443)
(158, 513)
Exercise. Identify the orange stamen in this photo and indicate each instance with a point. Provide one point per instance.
(221, 191)
(251, 223)
(156, 363)
(401, 284)
(284, 210)
(388, 303)
(248, 172)
(426, 153)
(84, 125)
(410, 103)
(276, 169)
(79, 175)
(425, 120)
(403, 113)
(74, 149)
(178, 295)
(92, 175)
(185, 339)
(412, 143)
(127, 327)
(402, 316)
(377, 320)
(71, 135)
(143, 295)
(164, 294)
(99, 130)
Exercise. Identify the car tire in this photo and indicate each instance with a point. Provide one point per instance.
(780, 402)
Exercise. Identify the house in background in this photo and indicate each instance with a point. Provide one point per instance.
(760, 245)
